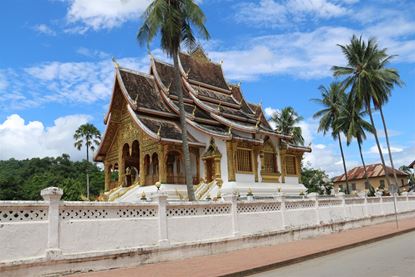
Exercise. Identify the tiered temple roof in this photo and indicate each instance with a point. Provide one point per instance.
(212, 105)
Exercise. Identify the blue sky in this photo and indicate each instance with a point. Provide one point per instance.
(56, 70)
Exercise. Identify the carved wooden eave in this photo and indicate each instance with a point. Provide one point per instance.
(99, 155)
(154, 135)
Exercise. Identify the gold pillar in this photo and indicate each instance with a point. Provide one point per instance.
(231, 160)
(121, 170)
(283, 167)
(218, 175)
(255, 161)
(205, 169)
(107, 172)
(298, 159)
(142, 169)
(162, 165)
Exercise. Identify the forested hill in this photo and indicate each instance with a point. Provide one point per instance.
(23, 180)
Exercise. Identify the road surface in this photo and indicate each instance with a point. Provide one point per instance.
(387, 258)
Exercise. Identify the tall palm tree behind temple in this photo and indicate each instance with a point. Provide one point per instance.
(286, 121)
(351, 120)
(90, 136)
(333, 99)
(174, 20)
(370, 82)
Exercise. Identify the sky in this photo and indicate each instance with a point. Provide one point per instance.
(56, 71)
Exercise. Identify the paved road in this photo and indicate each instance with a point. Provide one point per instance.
(386, 258)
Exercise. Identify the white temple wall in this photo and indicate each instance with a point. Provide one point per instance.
(221, 144)
(92, 228)
(291, 180)
(245, 178)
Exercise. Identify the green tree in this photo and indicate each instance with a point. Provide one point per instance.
(316, 180)
(333, 99)
(411, 176)
(370, 81)
(174, 20)
(23, 180)
(89, 136)
(352, 121)
(286, 122)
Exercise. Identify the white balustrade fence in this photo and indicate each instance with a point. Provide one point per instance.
(51, 228)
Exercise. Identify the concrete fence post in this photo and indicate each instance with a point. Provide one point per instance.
(342, 197)
(365, 203)
(382, 210)
(161, 199)
(52, 195)
(314, 196)
(234, 212)
(280, 197)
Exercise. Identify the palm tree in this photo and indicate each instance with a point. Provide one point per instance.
(333, 99)
(411, 178)
(352, 121)
(370, 82)
(286, 121)
(88, 135)
(174, 20)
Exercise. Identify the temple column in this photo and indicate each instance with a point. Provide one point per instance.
(298, 159)
(142, 169)
(162, 165)
(231, 161)
(218, 175)
(283, 166)
(255, 161)
(121, 170)
(107, 172)
(205, 170)
(262, 161)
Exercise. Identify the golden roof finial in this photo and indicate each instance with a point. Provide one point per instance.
(114, 61)
(239, 84)
(194, 111)
(220, 106)
(230, 130)
(158, 131)
(136, 99)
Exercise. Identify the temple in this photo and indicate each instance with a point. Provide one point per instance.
(233, 149)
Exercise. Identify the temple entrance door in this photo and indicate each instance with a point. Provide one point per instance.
(210, 170)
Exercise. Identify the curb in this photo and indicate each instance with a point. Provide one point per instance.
(299, 259)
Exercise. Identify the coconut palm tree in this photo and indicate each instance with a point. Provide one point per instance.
(333, 99)
(286, 121)
(352, 121)
(89, 136)
(174, 21)
(370, 81)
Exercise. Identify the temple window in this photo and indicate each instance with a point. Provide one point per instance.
(290, 163)
(270, 162)
(244, 160)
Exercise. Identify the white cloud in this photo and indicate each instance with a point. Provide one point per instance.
(92, 53)
(3, 81)
(100, 14)
(304, 55)
(272, 13)
(62, 82)
(44, 29)
(269, 111)
(374, 149)
(21, 140)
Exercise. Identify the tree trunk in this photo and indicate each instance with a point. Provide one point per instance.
(344, 165)
(388, 144)
(375, 133)
(186, 153)
(363, 162)
(87, 173)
